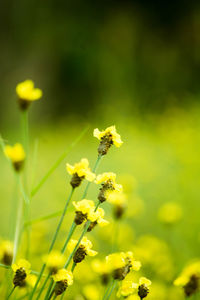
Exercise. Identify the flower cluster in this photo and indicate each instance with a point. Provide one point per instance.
(128, 288)
(83, 249)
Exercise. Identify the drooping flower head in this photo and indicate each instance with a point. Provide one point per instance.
(54, 261)
(6, 252)
(16, 154)
(63, 279)
(108, 184)
(21, 270)
(107, 138)
(79, 172)
(119, 202)
(27, 93)
(121, 263)
(189, 279)
(97, 217)
(83, 249)
(170, 213)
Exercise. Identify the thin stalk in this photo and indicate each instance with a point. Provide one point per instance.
(53, 241)
(57, 163)
(17, 228)
(112, 289)
(10, 293)
(73, 267)
(14, 206)
(49, 292)
(43, 286)
(109, 290)
(71, 231)
(94, 170)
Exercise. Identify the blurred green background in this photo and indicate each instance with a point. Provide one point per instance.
(135, 64)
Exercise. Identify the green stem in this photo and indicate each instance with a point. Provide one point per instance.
(17, 227)
(53, 241)
(94, 170)
(73, 267)
(71, 231)
(109, 290)
(43, 286)
(50, 291)
(10, 293)
(57, 163)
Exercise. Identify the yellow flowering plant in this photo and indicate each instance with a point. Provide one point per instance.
(16, 154)
(27, 93)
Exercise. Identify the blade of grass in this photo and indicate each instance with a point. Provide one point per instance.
(58, 162)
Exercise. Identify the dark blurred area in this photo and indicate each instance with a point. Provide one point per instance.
(85, 53)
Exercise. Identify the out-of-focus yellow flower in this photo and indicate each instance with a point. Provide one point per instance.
(100, 267)
(63, 274)
(6, 252)
(79, 172)
(54, 261)
(16, 154)
(170, 213)
(91, 292)
(26, 91)
(154, 254)
(145, 281)
(189, 279)
(21, 270)
(127, 288)
(110, 133)
(83, 249)
(119, 202)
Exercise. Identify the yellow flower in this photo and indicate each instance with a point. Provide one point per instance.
(22, 264)
(121, 263)
(26, 91)
(97, 217)
(91, 292)
(109, 178)
(16, 154)
(145, 281)
(83, 249)
(21, 270)
(143, 287)
(109, 184)
(127, 288)
(85, 206)
(54, 261)
(189, 279)
(80, 171)
(63, 274)
(6, 252)
(119, 202)
(170, 213)
(100, 267)
(111, 133)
